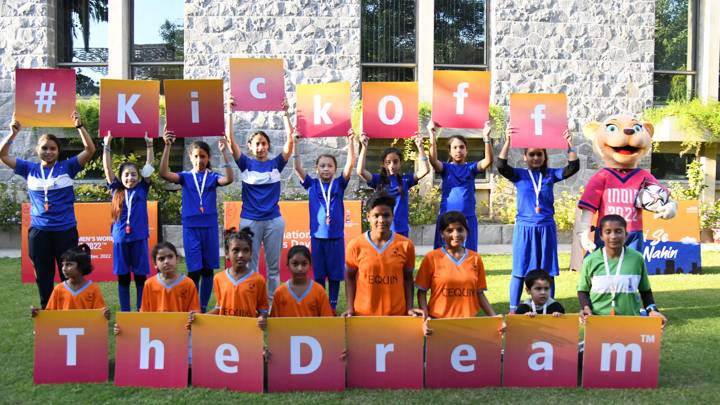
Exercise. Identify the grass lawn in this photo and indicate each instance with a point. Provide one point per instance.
(689, 370)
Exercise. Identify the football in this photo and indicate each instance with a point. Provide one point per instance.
(651, 197)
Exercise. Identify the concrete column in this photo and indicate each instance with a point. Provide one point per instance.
(425, 37)
(118, 39)
(709, 164)
(708, 52)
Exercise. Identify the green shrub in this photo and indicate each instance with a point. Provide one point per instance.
(423, 207)
(10, 209)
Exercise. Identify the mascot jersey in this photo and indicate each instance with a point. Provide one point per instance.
(612, 191)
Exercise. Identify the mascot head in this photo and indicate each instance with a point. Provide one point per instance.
(621, 141)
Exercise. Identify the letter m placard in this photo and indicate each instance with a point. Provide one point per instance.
(129, 108)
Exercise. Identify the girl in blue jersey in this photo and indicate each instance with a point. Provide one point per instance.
(535, 233)
(199, 210)
(327, 216)
(53, 227)
(130, 221)
(392, 181)
(458, 180)
(261, 194)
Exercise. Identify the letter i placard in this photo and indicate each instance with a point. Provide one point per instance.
(622, 352)
(305, 354)
(540, 120)
(129, 108)
(152, 349)
(323, 109)
(194, 108)
(541, 351)
(70, 347)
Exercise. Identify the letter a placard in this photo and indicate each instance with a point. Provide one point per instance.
(194, 107)
(323, 109)
(129, 108)
(464, 353)
(227, 352)
(461, 99)
(152, 349)
(257, 84)
(541, 351)
(390, 109)
(540, 120)
(305, 354)
(70, 347)
(44, 97)
(621, 352)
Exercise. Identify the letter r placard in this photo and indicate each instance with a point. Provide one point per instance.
(540, 120)
(257, 84)
(129, 108)
(390, 109)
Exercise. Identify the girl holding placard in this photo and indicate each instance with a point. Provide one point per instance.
(53, 227)
(535, 233)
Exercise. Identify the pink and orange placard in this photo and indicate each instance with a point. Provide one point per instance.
(152, 349)
(129, 108)
(540, 120)
(45, 97)
(297, 227)
(461, 99)
(93, 223)
(384, 352)
(195, 107)
(227, 352)
(71, 347)
(541, 351)
(257, 84)
(305, 354)
(464, 353)
(390, 109)
(630, 359)
(323, 109)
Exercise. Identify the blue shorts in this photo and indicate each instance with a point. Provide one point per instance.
(328, 259)
(131, 256)
(202, 248)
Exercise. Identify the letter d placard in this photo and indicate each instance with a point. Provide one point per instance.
(540, 120)
(390, 109)
(129, 108)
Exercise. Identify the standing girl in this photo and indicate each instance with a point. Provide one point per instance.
(458, 180)
(199, 210)
(53, 227)
(300, 296)
(535, 233)
(327, 216)
(392, 181)
(130, 221)
(261, 193)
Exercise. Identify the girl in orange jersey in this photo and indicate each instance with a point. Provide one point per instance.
(454, 274)
(76, 292)
(300, 296)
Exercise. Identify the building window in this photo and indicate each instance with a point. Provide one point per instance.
(388, 40)
(82, 42)
(460, 35)
(670, 166)
(157, 43)
(675, 43)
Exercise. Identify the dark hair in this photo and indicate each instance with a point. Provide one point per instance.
(162, 245)
(50, 137)
(452, 217)
(326, 155)
(534, 275)
(544, 166)
(380, 198)
(118, 198)
(244, 234)
(201, 145)
(299, 250)
(81, 255)
(261, 133)
(384, 175)
(612, 218)
(459, 138)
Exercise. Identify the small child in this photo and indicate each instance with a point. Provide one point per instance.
(169, 290)
(240, 290)
(537, 285)
(612, 276)
(76, 292)
(300, 296)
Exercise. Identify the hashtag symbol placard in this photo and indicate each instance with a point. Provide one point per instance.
(45, 97)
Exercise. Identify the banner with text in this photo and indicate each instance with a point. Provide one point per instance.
(540, 120)
(390, 109)
(45, 97)
(673, 246)
(257, 84)
(323, 109)
(194, 108)
(130, 108)
(461, 99)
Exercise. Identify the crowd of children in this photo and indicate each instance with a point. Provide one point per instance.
(377, 266)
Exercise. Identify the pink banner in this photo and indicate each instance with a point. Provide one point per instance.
(195, 107)
(390, 109)
(323, 109)
(540, 120)
(45, 97)
(257, 84)
(130, 108)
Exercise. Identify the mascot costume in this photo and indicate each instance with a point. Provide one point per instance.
(621, 187)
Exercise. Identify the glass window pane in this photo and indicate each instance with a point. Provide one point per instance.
(82, 31)
(158, 30)
(670, 166)
(387, 74)
(158, 72)
(460, 32)
(88, 79)
(671, 35)
(667, 87)
(388, 31)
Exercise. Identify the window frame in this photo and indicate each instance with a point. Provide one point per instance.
(486, 52)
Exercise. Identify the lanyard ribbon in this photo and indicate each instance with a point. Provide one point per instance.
(534, 309)
(536, 188)
(326, 197)
(128, 204)
(200, 189)
(46, 186)
(614, 281)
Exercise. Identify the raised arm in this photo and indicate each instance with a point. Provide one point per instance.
(289, 140)
(229, 174)
(148, 169)
(107, 158)
(361, 172)
(297, 164)
(487, 160)
(424, 165)
(230, 131)
(5, 156)
(573, 165)
(88, 144)
(436, 164)
(502, 165)
(165, 173)
(350, 162)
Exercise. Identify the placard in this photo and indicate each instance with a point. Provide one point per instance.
(540, 120)
(323, 109)
(130, 108)
(194, 108)
(390, 109)
(461, 98)
(257, 84)
(672, 246)
(45, 97)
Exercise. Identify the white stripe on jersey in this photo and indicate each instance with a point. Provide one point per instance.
(258, 178)
(602, 284)
(56, 183)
